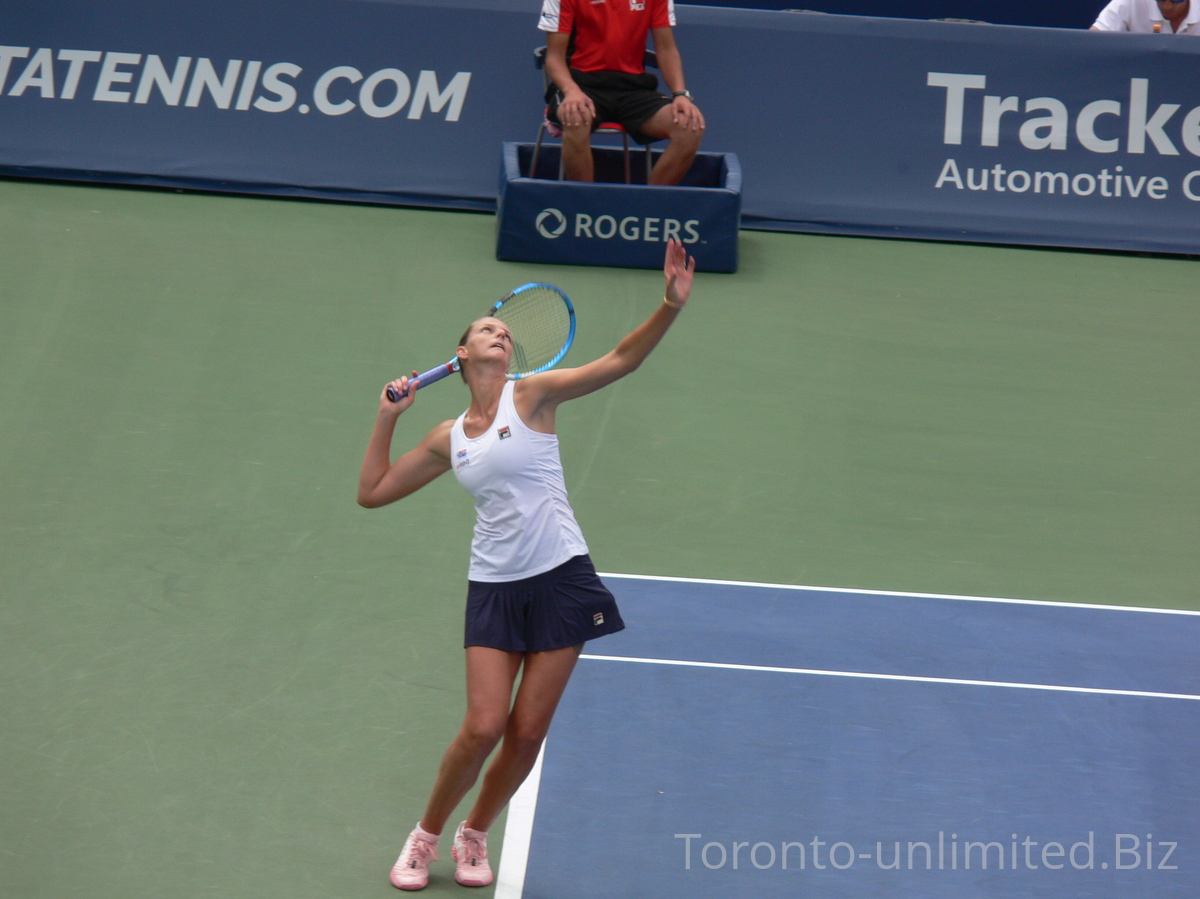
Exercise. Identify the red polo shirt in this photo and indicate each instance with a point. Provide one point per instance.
(610, 35)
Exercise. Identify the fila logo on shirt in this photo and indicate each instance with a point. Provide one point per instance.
(504, 432)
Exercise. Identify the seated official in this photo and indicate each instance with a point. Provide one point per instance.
(594, 59)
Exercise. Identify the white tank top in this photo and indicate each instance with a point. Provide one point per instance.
(524, 524)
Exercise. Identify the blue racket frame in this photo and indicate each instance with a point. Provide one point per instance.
(496, 306)
(446, 369)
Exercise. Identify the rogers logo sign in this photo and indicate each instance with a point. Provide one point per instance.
(550, 223)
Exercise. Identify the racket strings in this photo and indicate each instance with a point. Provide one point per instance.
(540, 322)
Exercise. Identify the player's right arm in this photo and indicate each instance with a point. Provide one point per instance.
(381, 481)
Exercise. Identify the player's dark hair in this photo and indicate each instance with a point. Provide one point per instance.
(462, 341)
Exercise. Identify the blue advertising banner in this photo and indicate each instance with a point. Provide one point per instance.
(842, 124)
(971, 132)
(357, 99)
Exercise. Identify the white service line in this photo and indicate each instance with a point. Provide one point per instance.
(823, 672)
(901, 595)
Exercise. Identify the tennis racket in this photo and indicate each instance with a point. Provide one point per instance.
(542, 322)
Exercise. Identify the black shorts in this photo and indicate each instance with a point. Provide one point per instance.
(627, 99)
(565, 606)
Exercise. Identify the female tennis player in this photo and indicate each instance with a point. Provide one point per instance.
(533, 597)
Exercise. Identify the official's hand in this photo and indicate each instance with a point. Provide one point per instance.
(576, 109)
(686, 113)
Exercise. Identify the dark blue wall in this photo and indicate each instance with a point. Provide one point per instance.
(1039, 13)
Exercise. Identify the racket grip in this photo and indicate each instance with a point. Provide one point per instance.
(425, 379)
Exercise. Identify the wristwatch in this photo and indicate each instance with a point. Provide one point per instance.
(687, 94)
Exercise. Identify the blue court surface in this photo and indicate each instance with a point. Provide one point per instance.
(767, 741)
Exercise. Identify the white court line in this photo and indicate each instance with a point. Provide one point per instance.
(898, 593)
(823, 672)
(518, 830)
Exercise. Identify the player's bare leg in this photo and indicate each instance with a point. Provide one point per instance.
(490, 677)
(542, 685)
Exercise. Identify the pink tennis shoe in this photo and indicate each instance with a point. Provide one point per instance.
(411, 871)
(471, 857)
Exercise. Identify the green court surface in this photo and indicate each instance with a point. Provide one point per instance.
(220, 677)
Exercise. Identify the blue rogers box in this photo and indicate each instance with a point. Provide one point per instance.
(617, 224)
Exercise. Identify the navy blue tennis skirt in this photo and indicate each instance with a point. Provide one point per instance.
(565, 606)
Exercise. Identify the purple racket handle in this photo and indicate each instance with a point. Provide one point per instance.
(427, 378)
